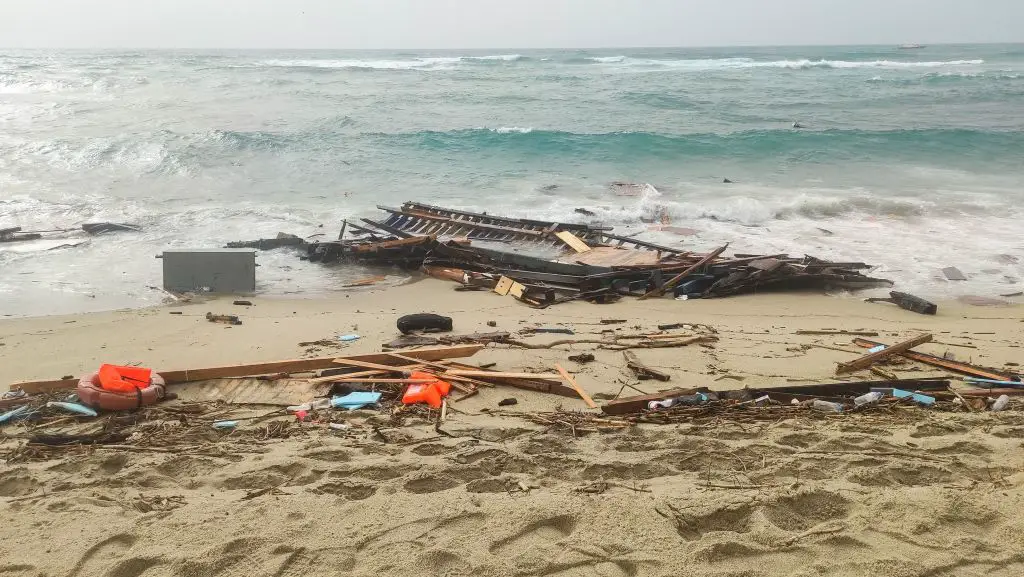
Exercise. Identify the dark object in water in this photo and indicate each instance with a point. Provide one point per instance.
(104, 227)
(908, 302)
(953, 273)
(726, 181)
(585, 212)
(424, 322)
(283, 239)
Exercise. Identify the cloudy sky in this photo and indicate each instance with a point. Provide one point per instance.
(501, 23)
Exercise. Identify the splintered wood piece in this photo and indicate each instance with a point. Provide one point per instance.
(579, 390)
(671, 283)
(839, 332)
(378, 366)
(343, 379)
(496, 375)
(574, 242)
(642, 370)
(870, 359)
(504, 285)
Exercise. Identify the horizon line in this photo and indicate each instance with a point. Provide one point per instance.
(653, 47)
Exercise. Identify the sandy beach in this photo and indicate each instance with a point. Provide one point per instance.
(917, 493)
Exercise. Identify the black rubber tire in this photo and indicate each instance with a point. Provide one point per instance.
(424, 322)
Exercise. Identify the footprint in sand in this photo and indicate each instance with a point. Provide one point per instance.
(101, 553)
(544, 532)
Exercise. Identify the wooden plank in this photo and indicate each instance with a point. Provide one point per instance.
(642, 370)
(476, 225)
(343, 379)
(639, 403)
(368, 365)
(990, 392)
(331, 378)
(572, 383)
(504, 285)
(670, 283)
(609, 256)
(854, 389)
(573, 241)
(954, 366)
(268, 368)
(839, 332)
(870, 359)
(403, 242)
(497, 375)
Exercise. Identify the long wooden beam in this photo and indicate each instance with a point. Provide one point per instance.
(870, 359)
(273, 367)
(954, 366)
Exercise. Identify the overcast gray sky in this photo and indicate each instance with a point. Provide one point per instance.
(501, 23)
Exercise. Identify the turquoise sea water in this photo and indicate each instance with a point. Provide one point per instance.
(912, 159)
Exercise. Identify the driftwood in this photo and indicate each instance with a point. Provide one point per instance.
(643, 371)
(868, 360)
(579, 390)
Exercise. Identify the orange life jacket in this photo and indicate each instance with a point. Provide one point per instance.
(429, 393)
(124, 379)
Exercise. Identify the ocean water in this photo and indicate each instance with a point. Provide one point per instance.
(909, 159)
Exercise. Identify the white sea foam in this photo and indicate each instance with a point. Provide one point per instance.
(512, 129)
(741, 63)
(423, 63)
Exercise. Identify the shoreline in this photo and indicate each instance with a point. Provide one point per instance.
(55, 346)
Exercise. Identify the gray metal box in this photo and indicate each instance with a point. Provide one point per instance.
(221, 270)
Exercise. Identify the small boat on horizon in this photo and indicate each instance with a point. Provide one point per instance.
(911, 46)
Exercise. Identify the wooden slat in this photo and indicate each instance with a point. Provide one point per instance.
(411, 241)
(481, 226)
(608, 256)
(289, 366)
(643, 370)
(343, 379)
(572, 241)
(868, 360)
(387, 228)
(579, 390)
(367, 365)
(954, 366)
(497, 375)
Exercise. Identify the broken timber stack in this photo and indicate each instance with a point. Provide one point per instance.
(558, 262)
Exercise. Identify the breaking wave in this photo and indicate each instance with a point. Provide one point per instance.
(742, 63)
(420, 63)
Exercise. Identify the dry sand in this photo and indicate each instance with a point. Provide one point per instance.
(921, 494)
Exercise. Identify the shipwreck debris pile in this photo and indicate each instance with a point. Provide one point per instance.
(544, 263)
